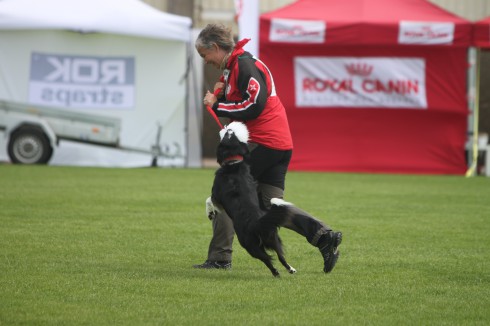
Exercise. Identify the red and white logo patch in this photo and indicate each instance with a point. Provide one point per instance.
(410, 32)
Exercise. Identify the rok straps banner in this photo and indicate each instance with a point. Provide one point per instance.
(82, 81)
(382, 82)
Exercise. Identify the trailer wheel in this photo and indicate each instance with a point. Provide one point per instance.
(29, 145)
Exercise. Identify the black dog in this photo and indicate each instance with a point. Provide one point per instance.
(234, 190)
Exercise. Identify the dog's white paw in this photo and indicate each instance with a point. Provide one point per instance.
(211, 209)
(292, 270)
(280, 202)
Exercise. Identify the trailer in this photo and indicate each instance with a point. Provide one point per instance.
(33, 131)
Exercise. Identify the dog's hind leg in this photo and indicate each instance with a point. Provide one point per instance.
(274, 271)
(273, 241)
(261, 255)
(291, 269)
(270, 239)
(268, 262)
(275, 244)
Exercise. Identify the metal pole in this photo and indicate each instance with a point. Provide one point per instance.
(473, 103)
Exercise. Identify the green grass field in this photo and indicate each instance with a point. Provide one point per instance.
(96, 246)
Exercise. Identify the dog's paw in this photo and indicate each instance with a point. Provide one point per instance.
(211, 210)
(280, 202)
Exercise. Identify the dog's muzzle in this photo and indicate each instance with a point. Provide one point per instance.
(232, 160)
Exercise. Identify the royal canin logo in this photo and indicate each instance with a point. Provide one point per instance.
(390, 82)
(426, 32)
(411, 32)
(367, 86)
(296, 30)
(359, 69)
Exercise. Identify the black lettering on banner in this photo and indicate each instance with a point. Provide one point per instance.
(79, 97)
(67, 97)
(117, 98)
(47, 95)
(63, 96)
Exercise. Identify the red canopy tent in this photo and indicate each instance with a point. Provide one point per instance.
(371, 85)
(482, 33)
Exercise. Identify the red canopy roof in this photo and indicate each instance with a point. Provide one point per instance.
(482, 33)
(371, 21)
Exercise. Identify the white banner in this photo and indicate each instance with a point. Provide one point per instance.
(297, 31)
(360, 82)
(425, 33)
(81, 81)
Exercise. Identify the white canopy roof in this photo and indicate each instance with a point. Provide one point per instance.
(127, 17)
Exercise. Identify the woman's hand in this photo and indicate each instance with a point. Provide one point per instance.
(209, 99)
(221, 86)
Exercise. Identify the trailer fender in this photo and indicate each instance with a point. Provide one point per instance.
(26, 121)
(30, 141)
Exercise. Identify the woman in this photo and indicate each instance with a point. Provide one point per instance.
(249, 95)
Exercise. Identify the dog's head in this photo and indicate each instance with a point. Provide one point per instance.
(233, 146)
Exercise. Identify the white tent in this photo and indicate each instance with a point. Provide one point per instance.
(71, 55)
(125, 17)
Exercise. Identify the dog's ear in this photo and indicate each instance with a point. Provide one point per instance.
(238, 128)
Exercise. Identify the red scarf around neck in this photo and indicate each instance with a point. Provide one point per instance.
(237, 51)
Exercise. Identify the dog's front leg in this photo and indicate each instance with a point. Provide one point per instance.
(212, 209)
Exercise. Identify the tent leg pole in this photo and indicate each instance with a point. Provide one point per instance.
(474, 90)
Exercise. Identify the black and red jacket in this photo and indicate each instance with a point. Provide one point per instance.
(250, 96)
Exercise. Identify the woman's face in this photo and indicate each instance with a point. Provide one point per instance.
(213, 56)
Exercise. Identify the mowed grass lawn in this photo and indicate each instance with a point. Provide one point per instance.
(98, 246)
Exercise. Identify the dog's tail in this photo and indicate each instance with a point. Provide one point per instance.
(276, 215)
(268, 224)
(280, 202)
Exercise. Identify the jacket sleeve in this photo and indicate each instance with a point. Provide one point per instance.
(252, 85)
